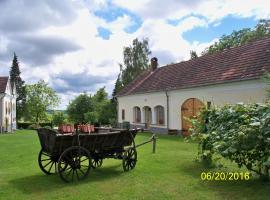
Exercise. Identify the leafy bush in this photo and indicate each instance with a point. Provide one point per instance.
(240, 133)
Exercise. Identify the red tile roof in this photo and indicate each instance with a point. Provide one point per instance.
(246, 62)
(3, 83)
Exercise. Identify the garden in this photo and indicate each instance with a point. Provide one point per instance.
(171, 173)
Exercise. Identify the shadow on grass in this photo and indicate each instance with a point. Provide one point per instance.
(44, 183)
(254, 188)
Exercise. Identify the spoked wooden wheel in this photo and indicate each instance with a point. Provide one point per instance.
(74, 164)
(97, 162)
(47, 162)
(129, 159)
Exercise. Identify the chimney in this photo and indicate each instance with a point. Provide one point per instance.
(154, 63)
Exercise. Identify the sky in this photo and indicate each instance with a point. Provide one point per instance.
(76, 45)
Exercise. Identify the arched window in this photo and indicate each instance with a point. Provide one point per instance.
(147, 113)
(160, 115)
(137, 114)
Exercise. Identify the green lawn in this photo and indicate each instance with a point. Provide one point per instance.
(171, 173)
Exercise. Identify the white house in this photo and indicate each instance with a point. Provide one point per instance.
(162, 98)
(7, 105)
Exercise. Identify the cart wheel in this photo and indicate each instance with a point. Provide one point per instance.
(129, 159)
(74, 164)
(97, 162)
(47, 162)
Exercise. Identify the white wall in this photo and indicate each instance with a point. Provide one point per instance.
(220, 94)
(150, 99)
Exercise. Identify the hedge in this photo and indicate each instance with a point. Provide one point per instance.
(25, 125)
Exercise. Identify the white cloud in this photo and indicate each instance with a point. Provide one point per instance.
(158, 9)
(213, 10)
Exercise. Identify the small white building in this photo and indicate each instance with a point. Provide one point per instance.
(162, 98)
(7, 105)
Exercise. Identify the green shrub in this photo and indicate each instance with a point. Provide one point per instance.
(240, 133)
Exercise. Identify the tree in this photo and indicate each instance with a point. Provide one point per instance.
(78, 107)
(20, 87)
(193, 54)
(117, 87)
(91, 109)
(58, 118)
(237, 38)
(101, 96)
(91, 117)
(135, 61)
(40, 97)
(103, 107)
(113, 102)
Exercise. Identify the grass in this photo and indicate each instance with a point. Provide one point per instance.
(171, 173)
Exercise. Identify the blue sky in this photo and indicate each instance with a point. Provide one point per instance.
(215, 30)
(76, 46)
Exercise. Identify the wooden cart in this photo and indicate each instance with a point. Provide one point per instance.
(72, 156)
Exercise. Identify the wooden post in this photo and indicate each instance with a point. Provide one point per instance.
(154, 144)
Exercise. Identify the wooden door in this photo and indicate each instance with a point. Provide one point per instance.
(189, 110)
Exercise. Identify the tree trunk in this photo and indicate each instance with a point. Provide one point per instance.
(37, 118)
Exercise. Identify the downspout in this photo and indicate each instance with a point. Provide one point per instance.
(167, 98)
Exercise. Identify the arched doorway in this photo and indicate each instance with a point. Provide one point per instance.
(147, 116)
(189, 109)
